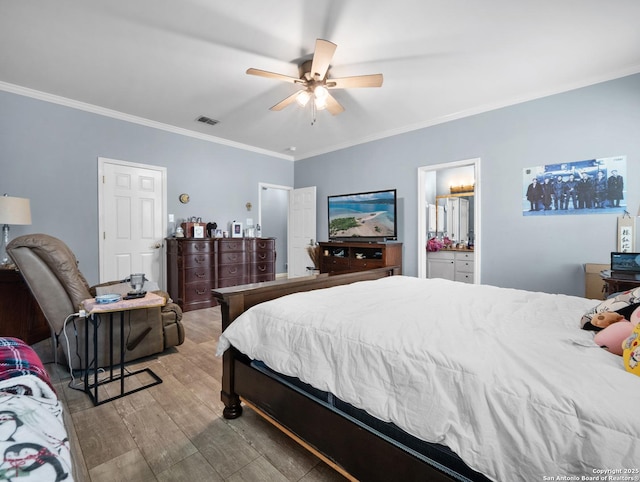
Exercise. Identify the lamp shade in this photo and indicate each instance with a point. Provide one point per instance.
(15, 210)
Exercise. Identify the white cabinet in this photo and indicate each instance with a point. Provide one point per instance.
(464, 266)
(441, 264)
(453, 265)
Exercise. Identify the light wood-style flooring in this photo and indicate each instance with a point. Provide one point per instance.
(175, 431)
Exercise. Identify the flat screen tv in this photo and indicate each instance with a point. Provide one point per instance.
(366, 215)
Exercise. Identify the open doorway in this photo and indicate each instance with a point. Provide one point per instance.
(434, 186)
(273, 215)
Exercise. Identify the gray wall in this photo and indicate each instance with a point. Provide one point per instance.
(536, 253)
(49, 153)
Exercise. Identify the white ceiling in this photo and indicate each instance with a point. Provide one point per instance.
(167, 62)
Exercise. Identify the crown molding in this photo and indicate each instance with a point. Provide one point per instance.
(94, 109)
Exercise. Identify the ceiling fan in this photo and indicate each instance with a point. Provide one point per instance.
(316, 83)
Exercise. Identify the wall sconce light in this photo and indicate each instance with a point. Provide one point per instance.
(461, 189)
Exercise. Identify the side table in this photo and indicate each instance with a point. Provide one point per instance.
(95, 313)
(614, 284)
(20, 314)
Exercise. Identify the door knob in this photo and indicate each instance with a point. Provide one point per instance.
(157, 246)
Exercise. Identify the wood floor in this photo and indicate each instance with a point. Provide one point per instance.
(175, 431)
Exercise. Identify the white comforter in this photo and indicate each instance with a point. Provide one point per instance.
(505, 378)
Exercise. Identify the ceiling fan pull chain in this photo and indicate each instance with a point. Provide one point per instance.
(314, 112)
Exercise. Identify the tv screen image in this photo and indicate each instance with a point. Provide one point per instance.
(363, 215)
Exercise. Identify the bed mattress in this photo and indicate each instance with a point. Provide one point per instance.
(503, 377)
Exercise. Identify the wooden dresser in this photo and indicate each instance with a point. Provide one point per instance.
(20, 314)
(196, 266)
(347, 256)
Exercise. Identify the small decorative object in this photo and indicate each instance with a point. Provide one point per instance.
(314, 254)
(184, 198)
(108, 298)
(434, 244)
(179, 232)
(198, 230)
(136, 280)
(236, 229)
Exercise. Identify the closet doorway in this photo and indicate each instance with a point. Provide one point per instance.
(437, 184)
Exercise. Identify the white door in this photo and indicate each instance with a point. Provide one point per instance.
(132, 206)
(302, 229)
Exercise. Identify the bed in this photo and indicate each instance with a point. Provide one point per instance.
(33, 438)
(399, 378)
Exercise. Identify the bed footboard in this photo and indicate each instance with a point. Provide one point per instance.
(237, 299)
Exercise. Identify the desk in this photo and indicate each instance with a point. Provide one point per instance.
(96, 310)
(614, 285)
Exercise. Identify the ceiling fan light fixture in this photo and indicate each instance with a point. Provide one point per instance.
(320, 103)
(303, 97)
(320, 92)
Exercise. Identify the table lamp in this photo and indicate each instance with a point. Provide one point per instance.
(13, 210)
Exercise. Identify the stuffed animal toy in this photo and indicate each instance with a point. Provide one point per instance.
(616, 335)
(631, 350)
(606, 318)
(612, 337)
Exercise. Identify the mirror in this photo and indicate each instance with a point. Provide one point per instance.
(455, 216)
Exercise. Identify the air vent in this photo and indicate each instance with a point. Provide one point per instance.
(207, 120)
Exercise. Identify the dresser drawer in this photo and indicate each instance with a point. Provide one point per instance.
(464, 266)
(465, 255)
(195, 260)
(261, 256)
(232, 271)
(226, 282)
(202, 273)
(198, 291)
(366, 263)
(227, 257)
(464, 277)
(195, 247)
(225, 245)
(264, 244)
(259, 269)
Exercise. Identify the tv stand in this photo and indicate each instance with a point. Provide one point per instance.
(339, 257)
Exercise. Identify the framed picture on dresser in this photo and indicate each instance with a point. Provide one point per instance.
(236, 230)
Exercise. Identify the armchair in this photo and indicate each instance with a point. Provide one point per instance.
(50, 269)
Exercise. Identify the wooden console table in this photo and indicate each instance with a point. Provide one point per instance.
(353, 256)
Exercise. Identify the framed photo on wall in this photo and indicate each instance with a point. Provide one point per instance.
(593, 186)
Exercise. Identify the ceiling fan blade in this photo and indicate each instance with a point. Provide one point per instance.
(283, 103)
(333, 105)
(373, 80)
(322, 58)
(273, 75)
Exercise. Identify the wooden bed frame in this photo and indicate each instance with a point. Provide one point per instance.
(358, 453)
